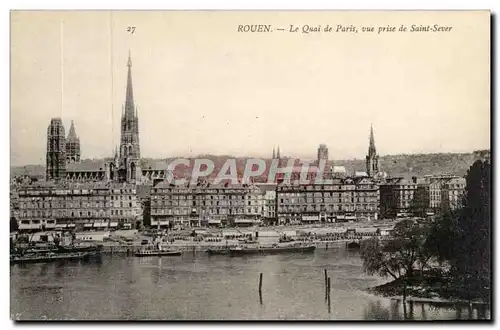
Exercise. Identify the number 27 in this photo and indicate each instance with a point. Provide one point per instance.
(131, 29)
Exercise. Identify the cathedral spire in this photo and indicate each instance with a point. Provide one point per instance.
(278, 154)
(274, 153)
(129, 99)
(72, 134)
(372, 150)
(372, 162)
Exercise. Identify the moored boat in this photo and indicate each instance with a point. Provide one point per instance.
(157, 253)
(275, 249)
(48, 257)
(224, 251)
(353, 245)
(72, 248)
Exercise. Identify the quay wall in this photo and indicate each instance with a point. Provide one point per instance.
(203, 246)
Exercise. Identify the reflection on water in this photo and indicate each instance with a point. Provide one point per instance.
(213, 288)
(396, 310)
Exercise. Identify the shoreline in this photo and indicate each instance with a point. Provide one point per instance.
(387, 289)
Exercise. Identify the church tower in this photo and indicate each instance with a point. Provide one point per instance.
(72, 146)
(56, 150)
(130, 152)
(372, 163)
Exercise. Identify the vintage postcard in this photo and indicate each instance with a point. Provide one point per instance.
(250, 165)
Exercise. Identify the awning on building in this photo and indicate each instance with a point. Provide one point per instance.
(244, 221)
(310, 218)
(366, 230)
(113, 224)
(61, 225)
(87, 225)
(214, 222)
(71, 225)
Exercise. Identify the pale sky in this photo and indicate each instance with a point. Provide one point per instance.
(202, 87)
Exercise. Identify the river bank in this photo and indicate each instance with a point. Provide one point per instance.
(434, 290)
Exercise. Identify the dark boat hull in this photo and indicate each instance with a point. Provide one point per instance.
(353, 246)
(272, 250)
(52, 258)
(73, 249)
(159, 254)
(218, 251)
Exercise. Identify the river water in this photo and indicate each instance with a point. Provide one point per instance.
(199, 287)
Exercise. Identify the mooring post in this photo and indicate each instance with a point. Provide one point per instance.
(327, 245)
(326, 279)
(260, 284)
(328, 289)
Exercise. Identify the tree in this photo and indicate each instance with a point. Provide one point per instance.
(461, 238)
(399, 255)
(471, 261)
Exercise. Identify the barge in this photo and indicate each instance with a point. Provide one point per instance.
(275, 249)
(49, 257)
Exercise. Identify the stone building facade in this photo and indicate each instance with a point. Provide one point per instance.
(396, 197)
(89, 206)
(343, 200)
(452, 193)
(205, 205)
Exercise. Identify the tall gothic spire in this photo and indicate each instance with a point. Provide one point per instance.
(278, 154)
(129, 100)
(372, 150)
(72, 134)
(274, 153)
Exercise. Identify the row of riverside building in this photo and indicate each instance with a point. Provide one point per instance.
(123, 191)
(109, 205)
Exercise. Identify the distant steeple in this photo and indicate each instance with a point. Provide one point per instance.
(274, 153)
(371, 149)
(372, 161)
(72, 145)
(72, 134)
(129, 99)
(278, 154)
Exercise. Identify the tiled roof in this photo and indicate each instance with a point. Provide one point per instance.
(153, 164)
(86, 165)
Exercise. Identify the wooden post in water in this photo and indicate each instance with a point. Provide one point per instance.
(260, 284)
(328, 296)
(326, 279)
(327, 245)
